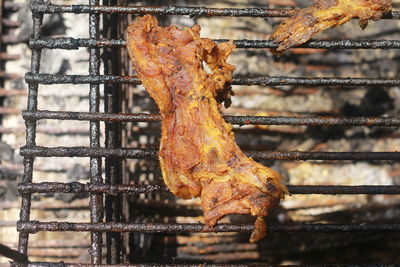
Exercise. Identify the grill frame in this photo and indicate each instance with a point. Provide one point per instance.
(112, 187)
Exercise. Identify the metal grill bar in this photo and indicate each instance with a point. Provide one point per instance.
(240, 120)
(30, 131)
(36, 226)
(76, 43)
(112, 104)
(238, 80)
(51, 187)
(96, 200)
(62, 264)
(37, 151)
(175, 10)
(112, 151)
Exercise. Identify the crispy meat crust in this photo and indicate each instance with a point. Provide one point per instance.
(198, 153)
(325, 14)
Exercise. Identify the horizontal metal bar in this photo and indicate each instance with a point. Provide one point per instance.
(52, 187)
(62, 264)
(76, 43)
(36, 226)
(174, 10)
(344, 189)
(79, 79)
(137, 153)
(238, 80)
(239, 120)
(77, 188)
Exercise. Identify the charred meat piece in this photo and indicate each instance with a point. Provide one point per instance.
(325, 14)
(198, 153)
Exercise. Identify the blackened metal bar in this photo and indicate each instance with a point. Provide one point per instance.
(36, 226)
(176, 10)
(239, 120)
(59, 264)
(344, 189)
(30, 131)
(260, 80)
(96, 200)
(52, 187)
(113, 203)
(137, 153)
(76, 43)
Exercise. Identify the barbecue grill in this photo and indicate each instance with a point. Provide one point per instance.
(113, 195)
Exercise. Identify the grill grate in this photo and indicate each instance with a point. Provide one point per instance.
(112, 186)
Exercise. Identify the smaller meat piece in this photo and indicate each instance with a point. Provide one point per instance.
(325, 14)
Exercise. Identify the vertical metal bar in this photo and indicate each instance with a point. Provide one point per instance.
(126, 95)
(30, 130)
(113, 204)
(96, 200)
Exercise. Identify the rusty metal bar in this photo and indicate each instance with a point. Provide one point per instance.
(239, 120)
(96, 200)
(76, 43)
(52, 187)
(175, 10)
(238, 80)
(62, 264)
(30, 130)
(112, 105)
(37, 151)
(115, 189)
(36, 226)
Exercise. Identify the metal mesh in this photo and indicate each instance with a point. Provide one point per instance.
(112, 186)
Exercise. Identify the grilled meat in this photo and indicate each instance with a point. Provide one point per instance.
(325, 14)
(198, 153)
